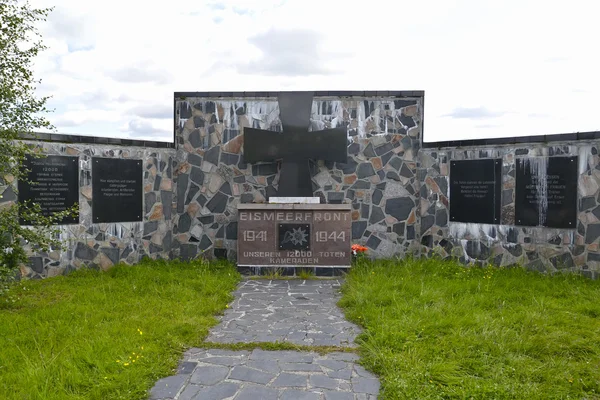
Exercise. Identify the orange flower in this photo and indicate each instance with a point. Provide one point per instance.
(358, 248)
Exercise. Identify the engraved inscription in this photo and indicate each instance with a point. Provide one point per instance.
(251, 236)
(475, 187)
(117, 187)
(323, 236)
(546, 192)
(116, 190)
(53, 183)
(293, 216)
(553, 193)
(305, 237)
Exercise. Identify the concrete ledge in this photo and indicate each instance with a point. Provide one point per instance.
(284, 206)
(79, 139)
(333, 93)
(294, 200)
(519, 140)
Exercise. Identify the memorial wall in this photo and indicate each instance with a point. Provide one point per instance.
(377, 180)
(124, 191)
(534, 202)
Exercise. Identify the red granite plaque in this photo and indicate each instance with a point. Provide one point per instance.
(290, 235)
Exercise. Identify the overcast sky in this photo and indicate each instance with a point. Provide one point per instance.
(488, 68)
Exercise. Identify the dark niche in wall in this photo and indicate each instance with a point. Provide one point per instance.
(546, 192)
(53, 183)
(116, 190)
(475, 191)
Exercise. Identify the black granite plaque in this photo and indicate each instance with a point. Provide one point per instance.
(475, 191)
(116, 190)
(546, 192)
(294, 236)
(53, 183)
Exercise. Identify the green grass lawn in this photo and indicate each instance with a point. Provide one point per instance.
(107, 335)
(438, 330)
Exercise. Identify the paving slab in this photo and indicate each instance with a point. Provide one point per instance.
(301, 312)
(266, 375)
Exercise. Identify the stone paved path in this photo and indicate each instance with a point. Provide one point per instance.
(296, 311)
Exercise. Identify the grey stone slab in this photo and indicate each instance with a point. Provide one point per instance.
(334, 395)
(186, 367)
(221, 391)
(257, 393)
(304, 367)
(193, 353)
(359, 369)
(343, 356)
(293, 394)
(341, 374)
(229, 361)
(209, 375)
(293, 356)
(257, 373)
(167, 388)
(365, 385)
(265, 365)
(286, 379)
(246, 374)
(190, 392)
(321, 381)
(364, 396)
(332, 364)
(299, 312)
(290, 311)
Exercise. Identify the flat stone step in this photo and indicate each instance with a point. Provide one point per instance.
(259, 374)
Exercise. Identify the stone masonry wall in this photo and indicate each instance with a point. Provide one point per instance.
(103, 245)
(379, 178)
(399, 192)
(539, 248)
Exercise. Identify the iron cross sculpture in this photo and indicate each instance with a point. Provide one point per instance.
(295, 145)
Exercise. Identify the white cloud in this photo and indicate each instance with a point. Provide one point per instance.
(517, 67)
(80, 116)
(288, 52)
(140, 74)
(474, 113)
(156, 111)
(143, 128)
